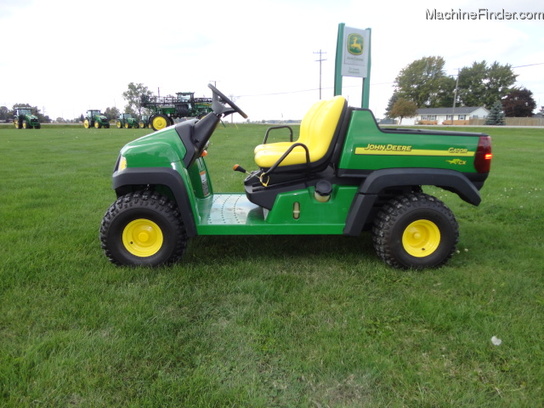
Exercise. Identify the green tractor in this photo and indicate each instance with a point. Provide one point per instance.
(167, 108)
(95, 118)
(127, 121)
(342, 176)
(24, 119)
(144, 122)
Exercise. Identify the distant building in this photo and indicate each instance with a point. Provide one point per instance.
(444, 116)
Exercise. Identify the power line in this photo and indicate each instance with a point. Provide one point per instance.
(306, 90)
(529, 65)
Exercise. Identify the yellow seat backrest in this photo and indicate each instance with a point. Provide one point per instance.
(316, 133)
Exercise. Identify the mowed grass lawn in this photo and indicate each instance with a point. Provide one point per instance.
(261, 321)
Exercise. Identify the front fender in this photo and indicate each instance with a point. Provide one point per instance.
(126, 180)
(381, 180)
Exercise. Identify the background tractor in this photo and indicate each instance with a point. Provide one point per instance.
(25, 119)
(127, 121)
(167, 108)
(144, 122)
(95, 118)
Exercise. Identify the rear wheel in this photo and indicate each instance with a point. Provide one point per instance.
(118, 124)
(86, 124)
(97, 125)
(143, 229)
(415, 231)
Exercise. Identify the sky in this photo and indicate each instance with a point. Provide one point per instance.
(66, 57)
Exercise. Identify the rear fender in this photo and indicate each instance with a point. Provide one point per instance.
(130, 178)
(380, 180)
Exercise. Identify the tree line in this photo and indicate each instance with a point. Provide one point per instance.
(132, 96)
(424, 84)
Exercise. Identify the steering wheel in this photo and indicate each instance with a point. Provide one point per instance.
(224, 99)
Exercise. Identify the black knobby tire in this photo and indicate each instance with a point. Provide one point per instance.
(145, 215)
(415, 231)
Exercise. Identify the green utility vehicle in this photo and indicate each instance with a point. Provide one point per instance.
(94, 117)
(24, 119)
(342, 176)
(167, 108)
(127, 121)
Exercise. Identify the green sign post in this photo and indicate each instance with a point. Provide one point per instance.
(353, 59)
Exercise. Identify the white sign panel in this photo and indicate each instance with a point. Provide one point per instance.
(355, 52)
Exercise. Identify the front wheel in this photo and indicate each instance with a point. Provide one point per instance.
(415, 231)
(143, 229)
(159, 122)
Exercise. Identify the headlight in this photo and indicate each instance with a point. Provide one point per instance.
(122, 163)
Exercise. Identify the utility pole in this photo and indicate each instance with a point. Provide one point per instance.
(320, 60)
(455, 97)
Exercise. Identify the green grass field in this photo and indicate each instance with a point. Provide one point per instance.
(267, 321)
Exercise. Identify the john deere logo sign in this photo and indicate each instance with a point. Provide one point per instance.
(355, 44)
(355, 52)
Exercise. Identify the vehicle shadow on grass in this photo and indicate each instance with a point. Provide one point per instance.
(264, 248)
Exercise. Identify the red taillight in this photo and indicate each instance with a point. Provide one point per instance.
(482, 161)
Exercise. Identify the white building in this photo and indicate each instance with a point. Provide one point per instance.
(443, 116)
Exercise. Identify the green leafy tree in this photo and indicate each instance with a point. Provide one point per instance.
(133, 96)
(4, 113)
(519, 103)
(112, 113)
(496, 115)
(403, 108)
(425, 83)
(483, 85)
(394, 98)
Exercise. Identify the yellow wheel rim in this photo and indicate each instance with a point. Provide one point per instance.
(421, 238)
(142, 237)
(86, 124)
(159, 123)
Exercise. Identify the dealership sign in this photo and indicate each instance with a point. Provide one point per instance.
(355, 52)
(353, 59)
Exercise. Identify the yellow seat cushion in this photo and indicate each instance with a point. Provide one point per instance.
(316, 133)
(278, 145)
